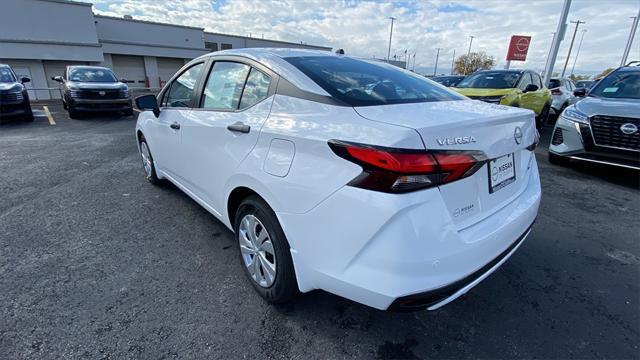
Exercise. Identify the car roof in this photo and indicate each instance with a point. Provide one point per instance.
(88, 67)
(629, 68)
(517, 71)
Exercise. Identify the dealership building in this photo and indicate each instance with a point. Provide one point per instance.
(39, 38)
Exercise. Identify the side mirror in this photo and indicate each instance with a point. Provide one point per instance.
(25, 80)
(580, 92)
(148, 102)
(57, 78)
(531, 88)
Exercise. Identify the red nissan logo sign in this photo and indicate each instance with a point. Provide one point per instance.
(518, 48)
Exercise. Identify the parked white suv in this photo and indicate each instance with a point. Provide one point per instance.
(347, 175)
(562, 93)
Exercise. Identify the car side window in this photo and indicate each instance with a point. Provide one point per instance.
(224, 86)
(525, 81)
(536, 80)
(256, 89)
(180, 92)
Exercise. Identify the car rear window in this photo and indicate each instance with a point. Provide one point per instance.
(365, 83)
(554, 83)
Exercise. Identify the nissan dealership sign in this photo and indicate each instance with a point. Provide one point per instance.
(518, 48)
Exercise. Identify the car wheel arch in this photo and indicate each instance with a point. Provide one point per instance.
(237, 196)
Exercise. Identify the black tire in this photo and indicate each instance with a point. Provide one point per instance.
(128, 112)
(541, 120)
(558, 160)
(73, 113)
(28, 115)
(64, 105)
(284, 288)
(152, 175)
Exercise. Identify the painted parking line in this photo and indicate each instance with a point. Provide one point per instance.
(48, 113)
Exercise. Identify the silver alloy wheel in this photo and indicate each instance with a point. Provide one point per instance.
(146, 158)
(257, 251)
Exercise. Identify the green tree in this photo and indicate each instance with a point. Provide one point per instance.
(604, 73)
(465, 65)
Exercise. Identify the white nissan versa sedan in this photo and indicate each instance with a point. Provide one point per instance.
(347, 175)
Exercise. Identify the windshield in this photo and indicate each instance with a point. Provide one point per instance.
(584, 84)
(447, 80)
(491, 80)
(618, 85)
(364, 83)
(92, 75)
(6, 75)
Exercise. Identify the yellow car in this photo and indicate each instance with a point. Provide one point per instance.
(519, 88)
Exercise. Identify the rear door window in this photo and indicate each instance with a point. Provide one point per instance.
(224, 86)
(256, 89)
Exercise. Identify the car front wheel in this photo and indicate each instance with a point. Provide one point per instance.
(264, 251)
(147, 163)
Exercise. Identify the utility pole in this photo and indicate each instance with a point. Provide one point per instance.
(390, 35)
(562, 23)
(573, 38)
(435, 69)
(453, 61)
(470, 42)
(634, 27)
(578, 52)
(414, 62)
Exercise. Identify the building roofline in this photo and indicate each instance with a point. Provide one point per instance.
(145, 21)
(269, 40)
(69, 2)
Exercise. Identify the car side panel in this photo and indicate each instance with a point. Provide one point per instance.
(309, 125)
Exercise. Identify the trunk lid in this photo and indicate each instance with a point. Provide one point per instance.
(473, 126)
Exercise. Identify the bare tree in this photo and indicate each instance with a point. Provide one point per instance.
(465, 65)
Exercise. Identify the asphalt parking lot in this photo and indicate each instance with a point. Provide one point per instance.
(97, 263)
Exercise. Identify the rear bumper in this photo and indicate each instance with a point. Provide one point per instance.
(575, 142)
(383, 249)
(101, 105)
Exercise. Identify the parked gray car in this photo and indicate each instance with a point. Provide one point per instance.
(93, 88)
(14, 98)
(562, 93)
(604, 127)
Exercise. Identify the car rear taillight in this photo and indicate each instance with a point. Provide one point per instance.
(556, 91)
(402, 170)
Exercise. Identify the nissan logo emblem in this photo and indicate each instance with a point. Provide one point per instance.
(102, 93)
(629, 128)
(517, 135)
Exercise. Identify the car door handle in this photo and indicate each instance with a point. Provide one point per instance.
(175, 126)
(239, 127)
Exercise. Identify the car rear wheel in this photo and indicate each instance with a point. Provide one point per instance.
(542, 119)
(264, 251)
(147, 163)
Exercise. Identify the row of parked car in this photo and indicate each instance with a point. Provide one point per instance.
(602, 128)
(84, 89)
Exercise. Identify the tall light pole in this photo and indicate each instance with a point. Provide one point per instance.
(578, 52)
(634, 27)
(559, 36)
(573, 38)
(390, 35)
(470, 42)
(435, 69)
(453, 61)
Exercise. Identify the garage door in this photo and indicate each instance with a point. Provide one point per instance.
(56, 68)
(130, 68)
(167, 67)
